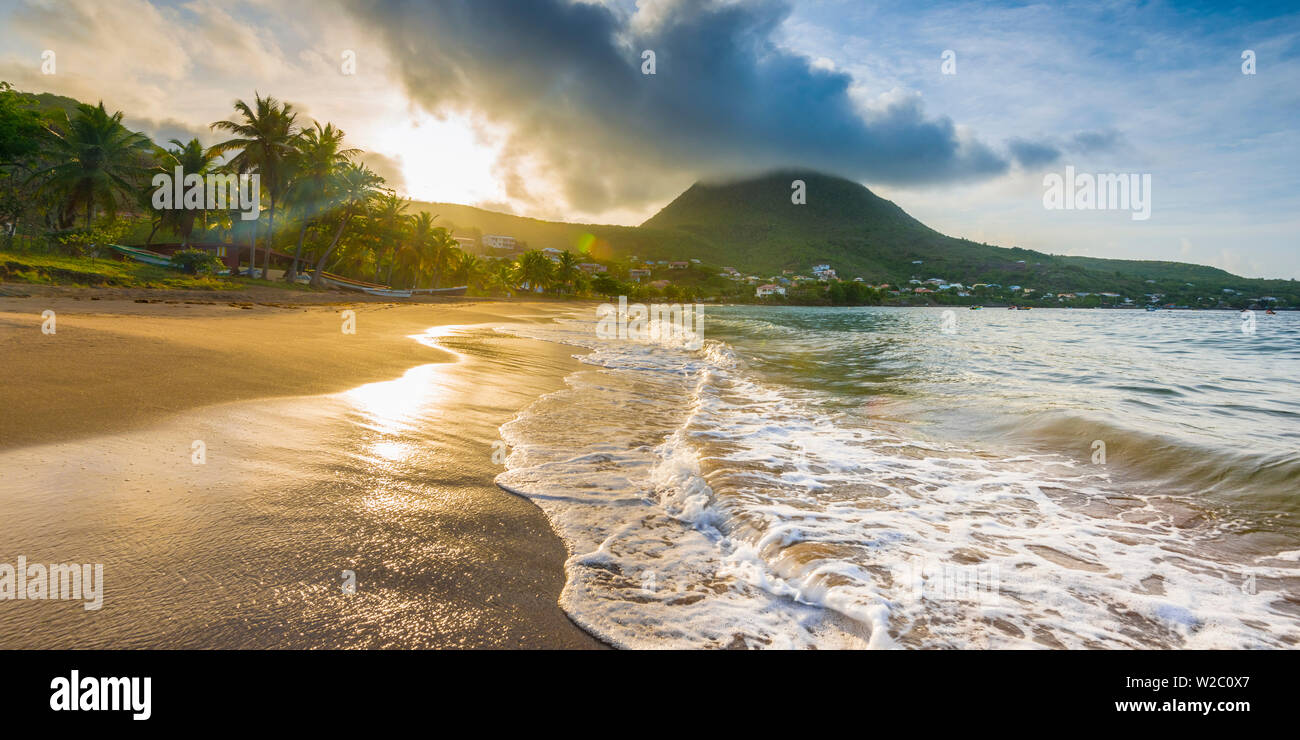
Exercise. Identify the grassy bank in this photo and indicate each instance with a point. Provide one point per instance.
(51, 269)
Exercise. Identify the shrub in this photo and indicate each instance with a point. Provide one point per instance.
(196, 261)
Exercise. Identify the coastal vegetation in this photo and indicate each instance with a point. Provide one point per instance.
(75, 179)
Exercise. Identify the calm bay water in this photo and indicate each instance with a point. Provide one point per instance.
(902, 477)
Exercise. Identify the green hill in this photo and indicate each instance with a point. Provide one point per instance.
(753, 225)
(600, 240)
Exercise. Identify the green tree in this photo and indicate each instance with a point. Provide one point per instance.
(97, 162)
(193, 159)
(317, 154)
(356, 187)
(535, 269)
(265, 142)
(566, 270)
(392, 225)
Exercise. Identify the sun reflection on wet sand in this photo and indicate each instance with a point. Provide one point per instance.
(391, 406)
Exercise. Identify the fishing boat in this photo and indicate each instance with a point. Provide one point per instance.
(143, 255)
(976, 308)
(1023, 308)
(458, 290)
(338, 281)
(1153, 308)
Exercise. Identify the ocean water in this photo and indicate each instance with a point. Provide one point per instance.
(919, 478)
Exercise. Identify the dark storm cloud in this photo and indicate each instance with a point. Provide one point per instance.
(565, 77)
(1089, 142)
(1032, 154)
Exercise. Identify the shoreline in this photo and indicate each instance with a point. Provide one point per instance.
(116, 363)
(443, 556)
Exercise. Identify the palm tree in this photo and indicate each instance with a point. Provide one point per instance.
(440, 253)
(566, 272)
(413, 255)
(467, 270)
(318, 154)
(265, 142)
(391, 222)
(193, 159)
(534, 268)
(501, 277)
(98, 161)
(356, 187)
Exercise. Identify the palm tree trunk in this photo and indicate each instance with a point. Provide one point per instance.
(297, 254)
(270, 241)
(252, 251)
(338, 233)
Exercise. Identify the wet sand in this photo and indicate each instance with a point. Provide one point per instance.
(247, 550)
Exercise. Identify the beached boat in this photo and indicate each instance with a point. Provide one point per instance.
(143, 255)
(362, 286)
(976, 308)
(458, 290)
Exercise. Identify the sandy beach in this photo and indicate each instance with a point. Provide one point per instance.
(300, 484)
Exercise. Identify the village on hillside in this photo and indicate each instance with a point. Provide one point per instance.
(821, 284)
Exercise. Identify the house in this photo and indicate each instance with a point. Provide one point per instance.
(498, 241)
(466, 242)
(695, 261)
(918, 262)
(591, 267)
(922, 290)
(678, 265)
(1013, 288)
(660, 284)
(766, 290)
(636, 275)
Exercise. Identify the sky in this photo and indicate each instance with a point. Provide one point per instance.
(956, 111)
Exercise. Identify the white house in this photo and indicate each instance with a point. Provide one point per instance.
(497, 241)
(769, 289)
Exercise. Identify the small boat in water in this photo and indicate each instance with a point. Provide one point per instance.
(1023, 308)
(976, 308)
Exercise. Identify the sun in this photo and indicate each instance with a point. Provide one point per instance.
(443, 160)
